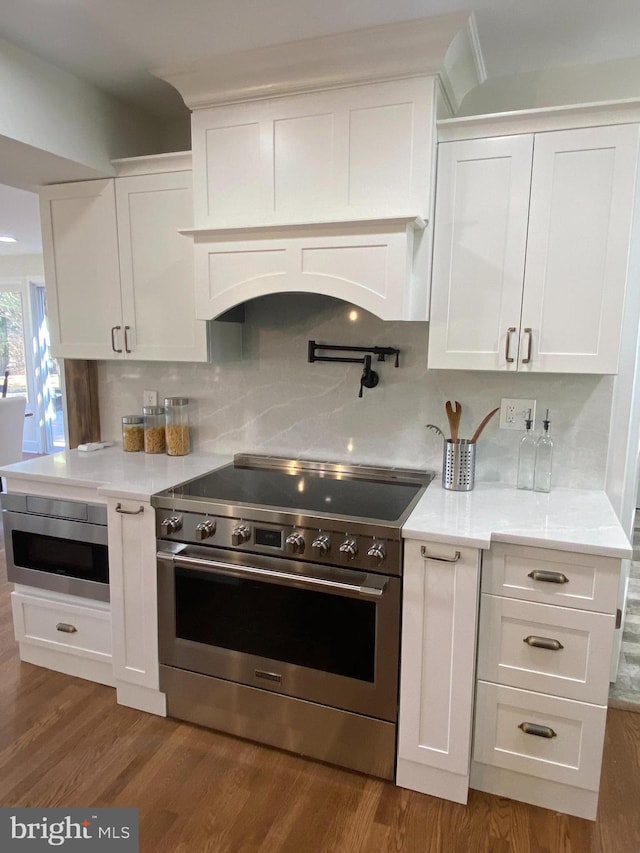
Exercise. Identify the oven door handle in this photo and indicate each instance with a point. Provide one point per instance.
(372, 587)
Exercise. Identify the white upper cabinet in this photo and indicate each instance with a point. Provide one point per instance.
(82, 272)
(532, 236)
(156, 268)
(119, 275)
(362, 152)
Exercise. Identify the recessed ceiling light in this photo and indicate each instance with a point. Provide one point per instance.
(7, 238)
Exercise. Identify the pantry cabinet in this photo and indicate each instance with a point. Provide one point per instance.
(119, 275)
(531, 248)
(546, 628)
(437, 668)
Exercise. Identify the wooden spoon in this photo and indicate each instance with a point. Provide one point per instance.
(453, 416)
(483, 424)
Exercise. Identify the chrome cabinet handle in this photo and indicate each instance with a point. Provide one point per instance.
(113, 338)
(507, 344)
(537, 730)
(548, 577)
(129, 511)
(66, 628)
(543, 643)
(529, 332)
(424, 553)
(127, 329)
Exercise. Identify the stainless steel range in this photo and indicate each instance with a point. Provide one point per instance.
(279, 604)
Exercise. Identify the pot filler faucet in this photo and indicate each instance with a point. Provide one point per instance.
(369, 378)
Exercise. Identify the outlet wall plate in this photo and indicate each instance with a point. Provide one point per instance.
(149, 398)
(513, 413)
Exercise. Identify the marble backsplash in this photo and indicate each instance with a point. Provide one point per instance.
(275, 402)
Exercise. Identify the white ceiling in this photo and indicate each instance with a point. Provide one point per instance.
(116, 43)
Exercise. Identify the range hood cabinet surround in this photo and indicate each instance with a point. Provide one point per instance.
(380, 266)
(323, 182)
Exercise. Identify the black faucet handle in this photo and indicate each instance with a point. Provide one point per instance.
(369, 378)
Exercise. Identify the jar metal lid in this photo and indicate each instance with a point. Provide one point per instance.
(154, 410)
(132, 419)
(176, 401)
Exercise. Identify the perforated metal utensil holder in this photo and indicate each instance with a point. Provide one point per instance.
(459, 465)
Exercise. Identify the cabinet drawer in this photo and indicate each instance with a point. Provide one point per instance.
(572, 755)
(552, 577)
(80, 630)
(545, 648)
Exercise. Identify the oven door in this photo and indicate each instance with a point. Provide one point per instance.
(323, 634)
(57, 554)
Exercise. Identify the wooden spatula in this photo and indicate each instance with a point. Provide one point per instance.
(453, 416)
(482, 425)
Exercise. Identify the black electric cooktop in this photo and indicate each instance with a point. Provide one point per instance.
(355, 491)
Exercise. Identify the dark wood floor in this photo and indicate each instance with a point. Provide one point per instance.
(64, 742)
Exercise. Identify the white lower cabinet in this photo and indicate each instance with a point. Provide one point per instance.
(440, 607)
(544, 648)
(546, 737)
(134, 604)
(63, 632)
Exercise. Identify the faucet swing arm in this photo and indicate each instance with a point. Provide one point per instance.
(369, 378)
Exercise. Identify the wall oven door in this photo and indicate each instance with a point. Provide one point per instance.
(57, 545)
(320, 633)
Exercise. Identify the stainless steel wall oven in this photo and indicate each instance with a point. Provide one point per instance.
(57, 545)
(280, 621)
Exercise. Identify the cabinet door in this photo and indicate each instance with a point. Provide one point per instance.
(440, 611)
(132, 581)
(82, 273)
(582, 196)
(352, 153)
(158, 290)
(480, 241)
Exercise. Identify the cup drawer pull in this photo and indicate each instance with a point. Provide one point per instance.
(543, 643)
(537, 730)
(548, 577)
(66, 628)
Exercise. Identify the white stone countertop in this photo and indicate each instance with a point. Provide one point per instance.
(565, 519)
(113, 472)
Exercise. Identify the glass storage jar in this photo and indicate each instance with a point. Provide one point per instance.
(177, 426)
(132, 432)
(154, 436)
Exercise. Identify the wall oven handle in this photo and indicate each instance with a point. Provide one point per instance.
(373, 586)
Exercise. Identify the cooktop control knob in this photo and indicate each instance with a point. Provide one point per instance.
(172, 524)
(349, 549)
(205, 529)
(240, 534)
(376, 554)
(320, 546)
(294, 543)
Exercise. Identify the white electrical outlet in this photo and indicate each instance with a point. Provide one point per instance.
(149, 398)
(514, 412)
